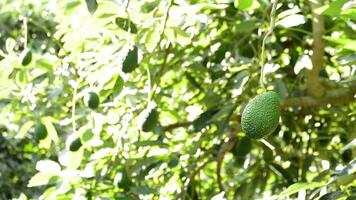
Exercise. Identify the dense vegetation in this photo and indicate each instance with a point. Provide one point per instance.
(133, 99)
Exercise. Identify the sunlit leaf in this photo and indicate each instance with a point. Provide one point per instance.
(246, 4)
(48, 166)
(331, 9)
(131, 61)
(143, 190)
(292, 20)
(52, 132)
(43, 178)
(25, 129)
(92, 5)
(301, 186)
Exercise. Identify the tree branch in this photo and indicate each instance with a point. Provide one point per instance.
(337, 96)
(312, 78)
(332, 97)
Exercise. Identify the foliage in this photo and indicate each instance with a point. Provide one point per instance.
(196, 64)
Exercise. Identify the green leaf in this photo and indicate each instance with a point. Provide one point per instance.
(246, 4)
(149, 6)
(131, 61)
(126, 25)
(332, 195)
(151, 143)
(248, 25)
(143, 190)
(345, 43)
(24, 129)
(21, 197)
(43, 178)
(10, 45)
(204, 119)
(301, 186)
(52, 132)
(331, 9)
(92, 5)
(118, 86)
(44, 64)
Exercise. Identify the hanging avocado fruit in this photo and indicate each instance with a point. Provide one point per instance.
(75, 145)
(131, 61)
(150, 121)
(91, 100)
(40, 131)
(26, 57)
(261, 115)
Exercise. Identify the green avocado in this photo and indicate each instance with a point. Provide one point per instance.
(131, 61)
(151, 121)
(26, 57)
(75, 145)
(92, 100)
(40, 131)
(261, 115)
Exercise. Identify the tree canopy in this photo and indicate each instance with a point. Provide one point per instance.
(142, 99)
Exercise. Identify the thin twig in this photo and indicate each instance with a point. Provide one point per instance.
(269, 32)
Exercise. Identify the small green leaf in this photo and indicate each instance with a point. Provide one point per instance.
(131, 61)
(10, 45)
(204, 119)
(24, 129)
(246, 4)
(92, 5)
(119, 85)
(332, 195)
(143, 190)
(126, 25)
(26, 57)
(52, 132)
(248, 25)
(301, 186)
(149, 6)
(332, 9)
(43, 178)
(150, 120)
(75, 145)
(44, 64)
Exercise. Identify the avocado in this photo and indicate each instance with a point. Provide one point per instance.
(75, 145)
(261, 115)
(92, 100)
(40, 131)
(151, 121)
(131, 61)
(26, 57)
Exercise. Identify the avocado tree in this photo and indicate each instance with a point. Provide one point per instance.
(177, 99)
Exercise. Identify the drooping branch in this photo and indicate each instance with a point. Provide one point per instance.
(312, 79)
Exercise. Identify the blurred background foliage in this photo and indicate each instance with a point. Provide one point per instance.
(197, 62)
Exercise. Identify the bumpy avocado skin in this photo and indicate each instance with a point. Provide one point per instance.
(261, 115)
